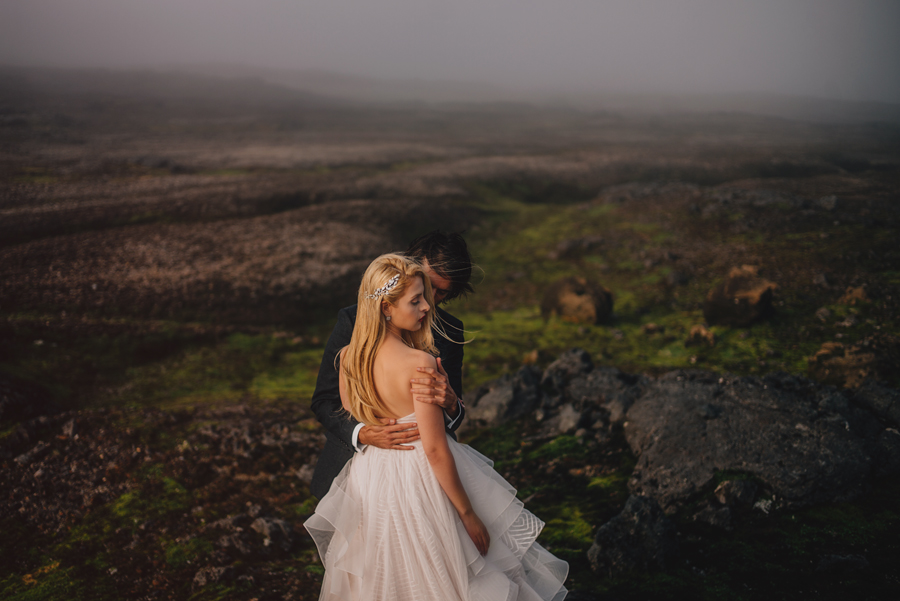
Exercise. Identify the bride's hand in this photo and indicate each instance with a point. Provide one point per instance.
(477, 532)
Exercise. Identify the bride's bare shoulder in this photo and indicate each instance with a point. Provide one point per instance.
(418, 358)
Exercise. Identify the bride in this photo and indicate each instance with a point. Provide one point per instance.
(435, 523)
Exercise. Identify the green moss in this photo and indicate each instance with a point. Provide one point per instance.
(561, 447)
(569, 530)
(614, 482)
(179, 555)
(154, 500)
(53, 582)
(301, 511)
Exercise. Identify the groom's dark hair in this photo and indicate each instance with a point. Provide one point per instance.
(448, 256)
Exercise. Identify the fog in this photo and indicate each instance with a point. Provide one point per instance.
(841, 49)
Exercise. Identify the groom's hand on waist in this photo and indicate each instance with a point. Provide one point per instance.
(390, 436)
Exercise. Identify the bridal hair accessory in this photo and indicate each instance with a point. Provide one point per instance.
(386, 288)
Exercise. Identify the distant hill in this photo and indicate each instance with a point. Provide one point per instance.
(156, 84)
(369, 89)
(245, 85)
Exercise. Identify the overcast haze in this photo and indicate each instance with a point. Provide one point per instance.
(844, 49)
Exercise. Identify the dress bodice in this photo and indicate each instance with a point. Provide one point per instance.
(407, 419)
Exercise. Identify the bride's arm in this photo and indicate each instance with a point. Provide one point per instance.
(430, 418)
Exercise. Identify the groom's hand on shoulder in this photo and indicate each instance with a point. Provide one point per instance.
(435, 389)
(391, 435)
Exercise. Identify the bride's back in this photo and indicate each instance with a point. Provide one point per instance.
(395, 366)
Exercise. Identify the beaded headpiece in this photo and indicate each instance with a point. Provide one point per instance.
(391, 283)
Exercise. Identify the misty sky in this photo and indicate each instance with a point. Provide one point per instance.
(847, 49)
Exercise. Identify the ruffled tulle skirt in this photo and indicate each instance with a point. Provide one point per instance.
(386, 531)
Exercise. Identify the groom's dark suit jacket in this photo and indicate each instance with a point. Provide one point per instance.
(326, 400)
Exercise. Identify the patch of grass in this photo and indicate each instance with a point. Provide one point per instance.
(179, 555)
(301, 511)
(614, 482)
(568, 529)
(561, 447)
(167, 365)
(545, 474)
(53, 582)
(156, 499)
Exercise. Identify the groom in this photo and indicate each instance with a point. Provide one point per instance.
(452, 268)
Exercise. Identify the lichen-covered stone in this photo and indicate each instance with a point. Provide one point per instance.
(740, 300)
(578, 300)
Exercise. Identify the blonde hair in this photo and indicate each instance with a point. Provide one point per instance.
(371, 328)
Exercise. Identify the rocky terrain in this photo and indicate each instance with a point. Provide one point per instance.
(684, 333)
(151, 504)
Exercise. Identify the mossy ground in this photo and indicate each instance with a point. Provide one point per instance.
(514, 249)
(150, 539)
(573, 486)
(126, 363)
(576, 484)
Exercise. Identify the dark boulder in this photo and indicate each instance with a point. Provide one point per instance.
(641, 537)
(570, 364)
(740, 300)
(608, 388)
(505, 399)
(880, 400)
(566, 421)
(801, 441)
(578, 300)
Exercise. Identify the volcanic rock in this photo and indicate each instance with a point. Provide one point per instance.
(820, 280)
(854, 295)
(606, 387)
(276, 532)
(505, 399)
(790, 434)
(570, 364)
(716, 516)
(578, 300)
(213, 575)
(699, 335)
(740, 300)
(575, 247)
(565, 422)
(843, 564)
(641, 537)
(843, 365)
(880, 400)
(736, 492)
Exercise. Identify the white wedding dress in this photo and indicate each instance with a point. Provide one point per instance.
(387, 532)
